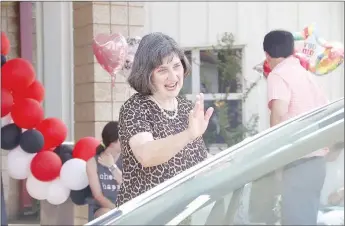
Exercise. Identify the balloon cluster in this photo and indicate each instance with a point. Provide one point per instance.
(54, 171)
(115, 53)
(314, 53)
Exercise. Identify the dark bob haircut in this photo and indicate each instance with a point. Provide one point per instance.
(279, 43)
(151, 51)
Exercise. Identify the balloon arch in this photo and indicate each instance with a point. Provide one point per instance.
(53, 169)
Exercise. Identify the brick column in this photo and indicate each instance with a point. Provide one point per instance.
(34, 41)
(10, 25)
(92, 85)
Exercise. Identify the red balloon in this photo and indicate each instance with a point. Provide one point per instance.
(46, 166)
(34, 91)
(27, 113)
(6, 102)
(17, 74)
(267, 69)
(85, 148)
(5, 44)
(54, 132)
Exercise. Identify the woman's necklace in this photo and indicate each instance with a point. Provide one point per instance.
(164, 112)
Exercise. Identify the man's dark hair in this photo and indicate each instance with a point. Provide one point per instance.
(279, 43)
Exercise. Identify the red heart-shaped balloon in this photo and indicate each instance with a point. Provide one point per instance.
(110, 51)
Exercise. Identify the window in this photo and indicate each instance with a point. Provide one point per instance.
(217, 74)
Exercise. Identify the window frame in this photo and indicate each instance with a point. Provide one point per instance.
(196, 80)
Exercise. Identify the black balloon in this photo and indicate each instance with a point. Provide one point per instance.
(3, 60)
(64, 152)
(80, 197)
(10, 136)
(63, 148)
(32, 141)
(65, 157)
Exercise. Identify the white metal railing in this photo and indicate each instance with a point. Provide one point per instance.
(262, 152)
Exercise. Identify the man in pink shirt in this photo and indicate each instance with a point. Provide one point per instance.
(292, 91)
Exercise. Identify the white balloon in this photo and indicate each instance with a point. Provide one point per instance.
(37, 189)
(7, 119)
(73, 174)
(57, 192)
(18, 163)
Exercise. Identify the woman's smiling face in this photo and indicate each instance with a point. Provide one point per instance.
(167, 79)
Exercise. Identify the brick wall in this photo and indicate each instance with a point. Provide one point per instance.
(34, 44)
(92, 85)
(10, 25)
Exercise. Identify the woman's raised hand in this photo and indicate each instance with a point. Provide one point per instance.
(198, 118)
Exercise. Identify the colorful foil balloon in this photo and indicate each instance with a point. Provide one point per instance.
(110, 51)
(328, 60)
(315, 54)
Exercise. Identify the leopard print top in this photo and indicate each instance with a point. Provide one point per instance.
(140, 114)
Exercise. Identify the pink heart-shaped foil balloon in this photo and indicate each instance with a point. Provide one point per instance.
(110, 51)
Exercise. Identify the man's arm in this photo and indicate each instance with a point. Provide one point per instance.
(279, 108)
(279, 96)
